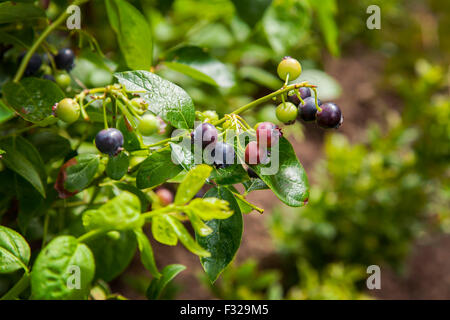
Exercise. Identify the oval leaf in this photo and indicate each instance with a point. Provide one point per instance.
(112, 254)
(133, 34)
(14, 251)
(147, 257)
(23, 158)
(156, 169)
(225, 239)
(32, 98)
(82, 172)
(192, 183)
(165, 98)
(200, 65)
(290, 183)
(117, 166)
(57, 268)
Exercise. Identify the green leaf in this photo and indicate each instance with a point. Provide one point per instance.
(156, 169)
(117, 166)
(290, 183)
(58, 266)
(192, 183)
(163, 232)
(12, 12)
(210, 208)
(14, 251)
(251, 11)
(133, 34)
(131, 141)
(326, 11)
(261, 77)
(143, 198)
(286, 25)
(157, 286)
(225, 239)
(327, 87)
(165, 99)
(81, 174)
(112, 254)
(33, 98)
(185, 237)
(120, 213)
(255, 184)
(23, 158)
(50, 145)
(147, 258)
(200, 65)
(199, 226)
(5, 112)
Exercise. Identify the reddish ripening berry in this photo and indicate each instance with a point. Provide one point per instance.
(254, 154)
(267, 134)
(109, 141)
(305, 92)
(330, 116)
(165, 196)
(205, 134)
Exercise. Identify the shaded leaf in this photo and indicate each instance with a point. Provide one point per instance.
(251, 11)
(157, 286)
(14, 251)
(82, 172)
(117, 166)
(165, 99)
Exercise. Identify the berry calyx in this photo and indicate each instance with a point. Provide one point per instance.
(63, 80)
(304, 92)
(307, 110)
(68, 110)
(267, 134)
(289, 66)
(330, 116)
(109, 141)
(223, 155)
(139, 104)
(148, 125)
(253, 153)
(64, 60)
(34, 64)
(286, 112)
(204, 134)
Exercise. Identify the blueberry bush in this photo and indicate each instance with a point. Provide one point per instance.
(89, 142)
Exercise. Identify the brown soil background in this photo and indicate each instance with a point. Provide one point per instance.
(426, 273)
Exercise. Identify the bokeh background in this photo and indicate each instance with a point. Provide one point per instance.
(380, 183)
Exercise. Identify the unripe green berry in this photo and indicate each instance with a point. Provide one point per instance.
(63, 80)
(68, 110)
(289, 66)
(286, 112)
(148, 125)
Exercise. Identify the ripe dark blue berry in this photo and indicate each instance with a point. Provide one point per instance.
(330, 116)
(64, 60)
(305, 92)
(34, 64)
(109, 141)
(223, 155)
(307, 110)
(205, 134)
